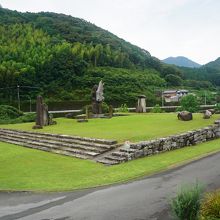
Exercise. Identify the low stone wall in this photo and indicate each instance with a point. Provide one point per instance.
(190, 138)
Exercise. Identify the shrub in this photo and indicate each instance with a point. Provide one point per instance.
(179, 109)
(157, 109)
(186, 204)
(8, 112)
(123, 108)
(105, 108)
(29, 117)
(217, 106)
(210, 208)
(189, 103)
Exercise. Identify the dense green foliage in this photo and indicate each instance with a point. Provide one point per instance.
(202, 77)
(157, 109)
(62, 57)
(189, 103)
(187, 203)
(9, 112)
(11, 115)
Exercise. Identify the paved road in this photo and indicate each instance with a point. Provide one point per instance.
(142, 199)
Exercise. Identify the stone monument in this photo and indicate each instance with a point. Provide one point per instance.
(97, 98)
(42, 118)
(141, 105)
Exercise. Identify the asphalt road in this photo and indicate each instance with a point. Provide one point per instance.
(147, 198)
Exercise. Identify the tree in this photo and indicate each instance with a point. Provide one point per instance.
(189, 103)
(173, 80)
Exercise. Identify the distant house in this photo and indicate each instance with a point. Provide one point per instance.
(174, 95)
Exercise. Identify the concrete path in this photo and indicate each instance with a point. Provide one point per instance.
(142, 199)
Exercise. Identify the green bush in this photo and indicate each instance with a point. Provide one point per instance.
(29, 117)
(8, 112)
(179, 109)
(186, 204)
(123, 108)
(189, 103)
(217, 107)
(157, 109)
(210, 208)
(105, 108)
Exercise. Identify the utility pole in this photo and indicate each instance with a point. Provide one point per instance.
(205, 98)
(18, 93)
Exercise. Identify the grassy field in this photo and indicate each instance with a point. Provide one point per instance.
(28, 169)
(135, 127)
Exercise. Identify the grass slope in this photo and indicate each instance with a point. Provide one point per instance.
(28, 169)
(135, 127)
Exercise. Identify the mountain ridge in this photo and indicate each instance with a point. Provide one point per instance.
(181, 61)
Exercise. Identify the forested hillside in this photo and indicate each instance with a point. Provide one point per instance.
(62, 57)
(209, 73)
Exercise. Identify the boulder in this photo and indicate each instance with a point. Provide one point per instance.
(207, 114)
(185, 116)
(69, 115)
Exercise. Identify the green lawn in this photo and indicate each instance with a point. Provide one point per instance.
(135, 127)
(28, 169)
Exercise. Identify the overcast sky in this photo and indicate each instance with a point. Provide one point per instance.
(165, 28)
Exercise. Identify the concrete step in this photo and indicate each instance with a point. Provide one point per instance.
(107, 162)
(58, 143)
(49, 146)
(60, 138)
(37, 147)
(69, 137)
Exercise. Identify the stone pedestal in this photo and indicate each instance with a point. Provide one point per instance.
(141, 105)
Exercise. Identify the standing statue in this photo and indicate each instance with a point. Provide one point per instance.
(97, 98)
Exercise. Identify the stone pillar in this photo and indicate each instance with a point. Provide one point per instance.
(110, 111)
(141, 106)
(42, 118)
(39, 111)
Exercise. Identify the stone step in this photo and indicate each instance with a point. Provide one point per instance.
(128, 150)
(59, 143)
(46, 149)
(116, 158)
(69, 137)
(107, 162)
(52, 146)
(59, 138)
(120, 154)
